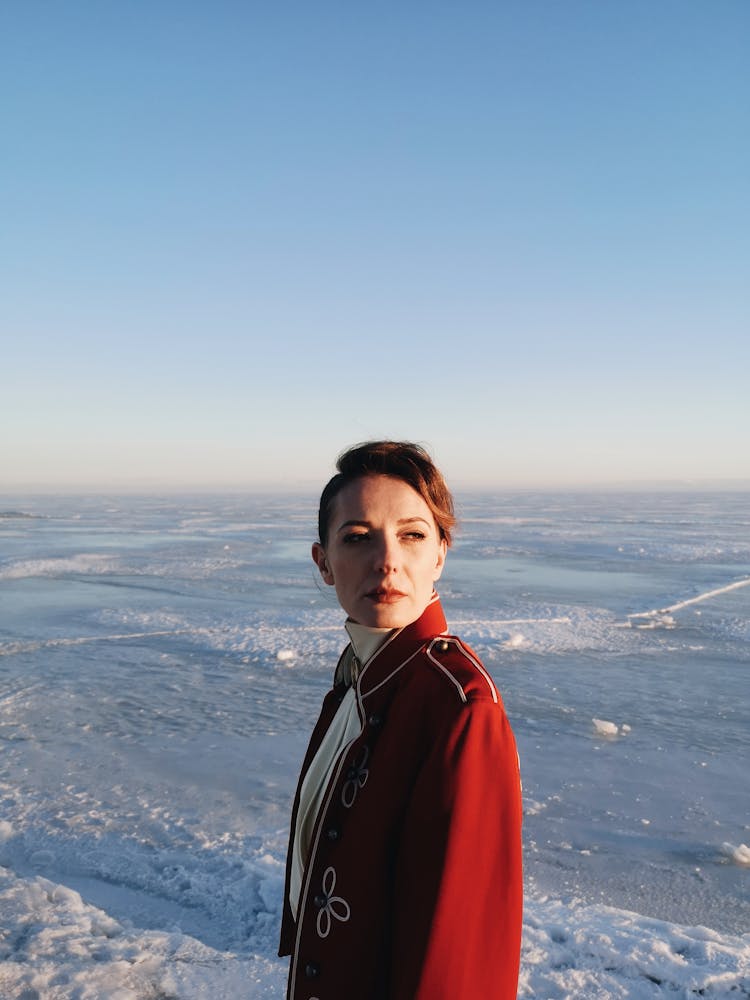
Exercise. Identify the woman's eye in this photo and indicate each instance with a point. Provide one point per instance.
(355, 537)
(414, 535)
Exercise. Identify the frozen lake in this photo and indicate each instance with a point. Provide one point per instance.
(162, 661)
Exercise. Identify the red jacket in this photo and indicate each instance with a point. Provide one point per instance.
(413, 887)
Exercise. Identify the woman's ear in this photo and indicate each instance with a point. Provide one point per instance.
(319, 558)
(442, 552)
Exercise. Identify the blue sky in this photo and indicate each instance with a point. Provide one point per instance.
(238, 237)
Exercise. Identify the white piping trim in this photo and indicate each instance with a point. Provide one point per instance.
(378, 651)
(480, 668)
(475, 662)
(448, 674)
(330, 912)
(390, 675)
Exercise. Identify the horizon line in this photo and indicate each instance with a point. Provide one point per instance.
(146, 488)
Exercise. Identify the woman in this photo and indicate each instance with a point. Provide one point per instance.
(404, 865)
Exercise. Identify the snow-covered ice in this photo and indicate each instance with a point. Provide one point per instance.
(161, 664)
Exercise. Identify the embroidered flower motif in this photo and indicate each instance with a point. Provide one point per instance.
(331, 907)
(356, 778)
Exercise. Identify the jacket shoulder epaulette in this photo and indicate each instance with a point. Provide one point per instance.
(462, 668)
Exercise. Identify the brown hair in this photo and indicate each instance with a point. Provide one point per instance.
(401, 460)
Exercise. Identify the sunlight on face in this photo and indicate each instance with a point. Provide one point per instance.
(384, 552)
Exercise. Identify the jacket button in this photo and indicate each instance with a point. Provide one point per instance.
(375, 720)
(443, 646)
(312, 970)
(333, 833)
(320, 901)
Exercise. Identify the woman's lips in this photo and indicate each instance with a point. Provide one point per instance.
(381, 595)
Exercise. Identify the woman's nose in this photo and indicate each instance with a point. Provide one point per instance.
(386, 555)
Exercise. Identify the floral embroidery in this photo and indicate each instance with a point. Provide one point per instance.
(356, 778)
(331, 906)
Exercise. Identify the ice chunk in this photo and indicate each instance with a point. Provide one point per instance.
(740, 855)
(604, 728)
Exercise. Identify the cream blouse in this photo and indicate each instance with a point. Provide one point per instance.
(345, 726)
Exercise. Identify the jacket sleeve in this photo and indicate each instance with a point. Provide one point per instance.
(458, 880)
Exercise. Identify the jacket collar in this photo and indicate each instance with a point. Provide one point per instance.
(401, 645)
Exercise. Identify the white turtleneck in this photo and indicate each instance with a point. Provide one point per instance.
(344, 727)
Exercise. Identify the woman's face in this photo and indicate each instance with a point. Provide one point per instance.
(383, 553)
